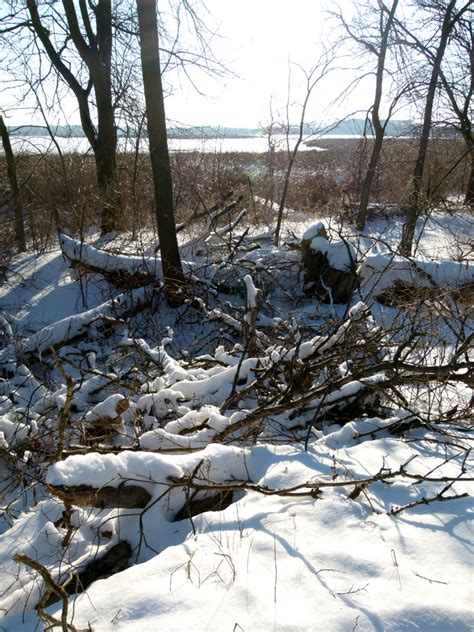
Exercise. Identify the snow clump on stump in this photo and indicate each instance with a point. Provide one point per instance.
(329, 265)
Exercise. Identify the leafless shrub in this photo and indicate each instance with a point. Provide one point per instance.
(60, 191)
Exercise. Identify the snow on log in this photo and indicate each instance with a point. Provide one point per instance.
(12, 433)
(132, 479)
(194, 430)
(105, 420)
(122, 270)
(110, 409)
(76, 325)
(119, 269)
(146, 469)
(393, 280)
(214, 388)
(112, 470)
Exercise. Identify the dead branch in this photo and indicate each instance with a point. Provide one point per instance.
(391, 374)
(439, 497)
(310, 488)
(52, 588)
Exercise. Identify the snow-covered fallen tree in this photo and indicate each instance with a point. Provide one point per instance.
(283, 459)
(118, 268)
(394, 279)
(67, 329)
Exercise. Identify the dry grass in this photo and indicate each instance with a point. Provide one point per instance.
(60, 192)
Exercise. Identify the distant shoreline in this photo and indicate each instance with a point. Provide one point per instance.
(227, 145)
(349, 127)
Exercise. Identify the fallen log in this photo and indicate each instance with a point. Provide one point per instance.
(121, 270)
(107, 497)
(364, 400)
(77, 325)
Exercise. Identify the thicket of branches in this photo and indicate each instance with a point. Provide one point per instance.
(243, 377)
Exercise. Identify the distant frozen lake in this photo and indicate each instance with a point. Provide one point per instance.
(42, 144)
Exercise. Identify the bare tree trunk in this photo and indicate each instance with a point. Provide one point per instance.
(460, 93)
(105, 150)
(369, 177)
(463, 113)
(469, 198)
(379, 129)
(414, 207)
(95, 50)
(286, 184)
(313, 77)
(159, 155)
(15, 191)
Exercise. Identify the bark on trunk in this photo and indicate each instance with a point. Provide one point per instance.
(106, 170)
(159, 155)
(15, 191)
(106, 142)
(369, 178)
(122, 497)
(469, 198)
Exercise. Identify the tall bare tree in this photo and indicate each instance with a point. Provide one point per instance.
(159, 155)
(89, 31)
(457, 77)
(312, 78)
(380, 51)
(93, 48)
(371, 29)
(447, 14)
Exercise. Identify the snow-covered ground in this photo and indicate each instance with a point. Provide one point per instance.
(270, 562)
(345, 524)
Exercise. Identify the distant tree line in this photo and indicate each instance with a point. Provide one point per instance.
(349, 127)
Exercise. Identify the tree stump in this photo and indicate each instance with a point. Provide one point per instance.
(330, 267)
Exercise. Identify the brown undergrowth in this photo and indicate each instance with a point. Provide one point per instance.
(60, 191)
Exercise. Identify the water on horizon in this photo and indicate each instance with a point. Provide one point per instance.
(44, 144)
